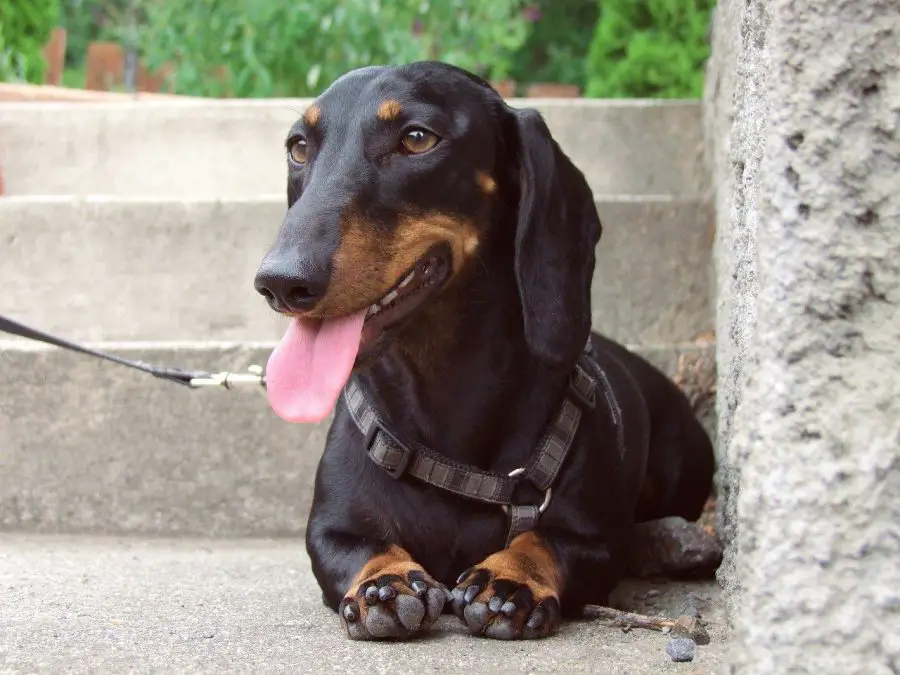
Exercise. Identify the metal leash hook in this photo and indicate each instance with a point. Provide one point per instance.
(229, 380)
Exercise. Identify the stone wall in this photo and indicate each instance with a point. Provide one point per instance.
(803, 133)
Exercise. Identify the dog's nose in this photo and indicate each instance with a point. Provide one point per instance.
(290, 290)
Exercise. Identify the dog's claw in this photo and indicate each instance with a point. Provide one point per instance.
(419, 587)
(463, 576)
(536, 618)
(508, 609)
(372, 595)
(386, 593)
(495, 604)
(471, 593)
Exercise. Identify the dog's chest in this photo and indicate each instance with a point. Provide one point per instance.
(446, 534)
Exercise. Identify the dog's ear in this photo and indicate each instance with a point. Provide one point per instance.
(556, 233)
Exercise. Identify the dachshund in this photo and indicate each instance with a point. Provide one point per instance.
(489, 454)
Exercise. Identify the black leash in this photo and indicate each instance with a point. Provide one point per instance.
(188, 378)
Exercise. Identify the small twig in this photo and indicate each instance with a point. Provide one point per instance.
(683, 626)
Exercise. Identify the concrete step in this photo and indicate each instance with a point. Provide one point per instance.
(80, 605)
(91, 447)
(233, 148)
(101, 268)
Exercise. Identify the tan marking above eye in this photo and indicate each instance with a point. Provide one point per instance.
(389, 110)
(417, 141)
(298, 150)
(312, 115)
(486, 182)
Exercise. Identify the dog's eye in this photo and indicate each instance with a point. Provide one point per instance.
(417, 141)
(297, 150)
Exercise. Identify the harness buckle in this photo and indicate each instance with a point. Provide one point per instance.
(390, 454)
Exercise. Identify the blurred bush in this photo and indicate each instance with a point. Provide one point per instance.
(258, 48)
(87, 21)
(649, 49)
(25, 27)
(557, 45)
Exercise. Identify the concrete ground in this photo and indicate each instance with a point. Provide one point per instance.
(89, 604)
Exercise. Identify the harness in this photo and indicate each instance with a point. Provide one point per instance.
(396, 458)
(386, 449)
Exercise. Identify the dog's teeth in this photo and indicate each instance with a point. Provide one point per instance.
(373, 310)
(389, 298)
(407, 279)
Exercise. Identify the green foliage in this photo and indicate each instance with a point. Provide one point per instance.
(558, 43)
(649, 49)
(88, 21)
(259, 48)
(25, 27)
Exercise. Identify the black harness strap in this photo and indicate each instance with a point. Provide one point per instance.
(396, 458)
(386, 450)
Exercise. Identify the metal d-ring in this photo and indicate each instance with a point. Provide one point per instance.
(548, 493)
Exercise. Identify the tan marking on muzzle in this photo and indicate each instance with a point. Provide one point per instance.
(370, 261)
(358, 269)
(416, 234)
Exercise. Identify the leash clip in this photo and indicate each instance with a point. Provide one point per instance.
(229, 380)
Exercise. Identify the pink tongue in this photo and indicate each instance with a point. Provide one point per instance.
(310, 366)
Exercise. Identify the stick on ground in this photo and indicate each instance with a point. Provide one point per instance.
(683, 626)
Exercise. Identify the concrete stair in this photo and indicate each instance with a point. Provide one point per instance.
(137, 227)
(90, 447)
(128, 268)
(194, 148)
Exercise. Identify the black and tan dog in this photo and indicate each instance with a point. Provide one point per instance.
(437, 257)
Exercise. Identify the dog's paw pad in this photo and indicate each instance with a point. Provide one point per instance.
(410, 610)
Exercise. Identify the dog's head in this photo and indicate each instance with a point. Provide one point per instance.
(398, 179)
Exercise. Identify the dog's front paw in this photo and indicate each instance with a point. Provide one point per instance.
(503, 608)
(512, 594)
(394, 603)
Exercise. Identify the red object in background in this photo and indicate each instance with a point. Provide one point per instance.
(55, 55)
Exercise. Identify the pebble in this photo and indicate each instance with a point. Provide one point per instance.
(681, 649)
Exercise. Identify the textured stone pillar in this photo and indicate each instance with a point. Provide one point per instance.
(803, 128)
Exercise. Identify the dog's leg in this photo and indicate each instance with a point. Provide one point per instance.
(512, 594)
(391, 597)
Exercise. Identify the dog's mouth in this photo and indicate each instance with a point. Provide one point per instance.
(312, 363)
(425, 277)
